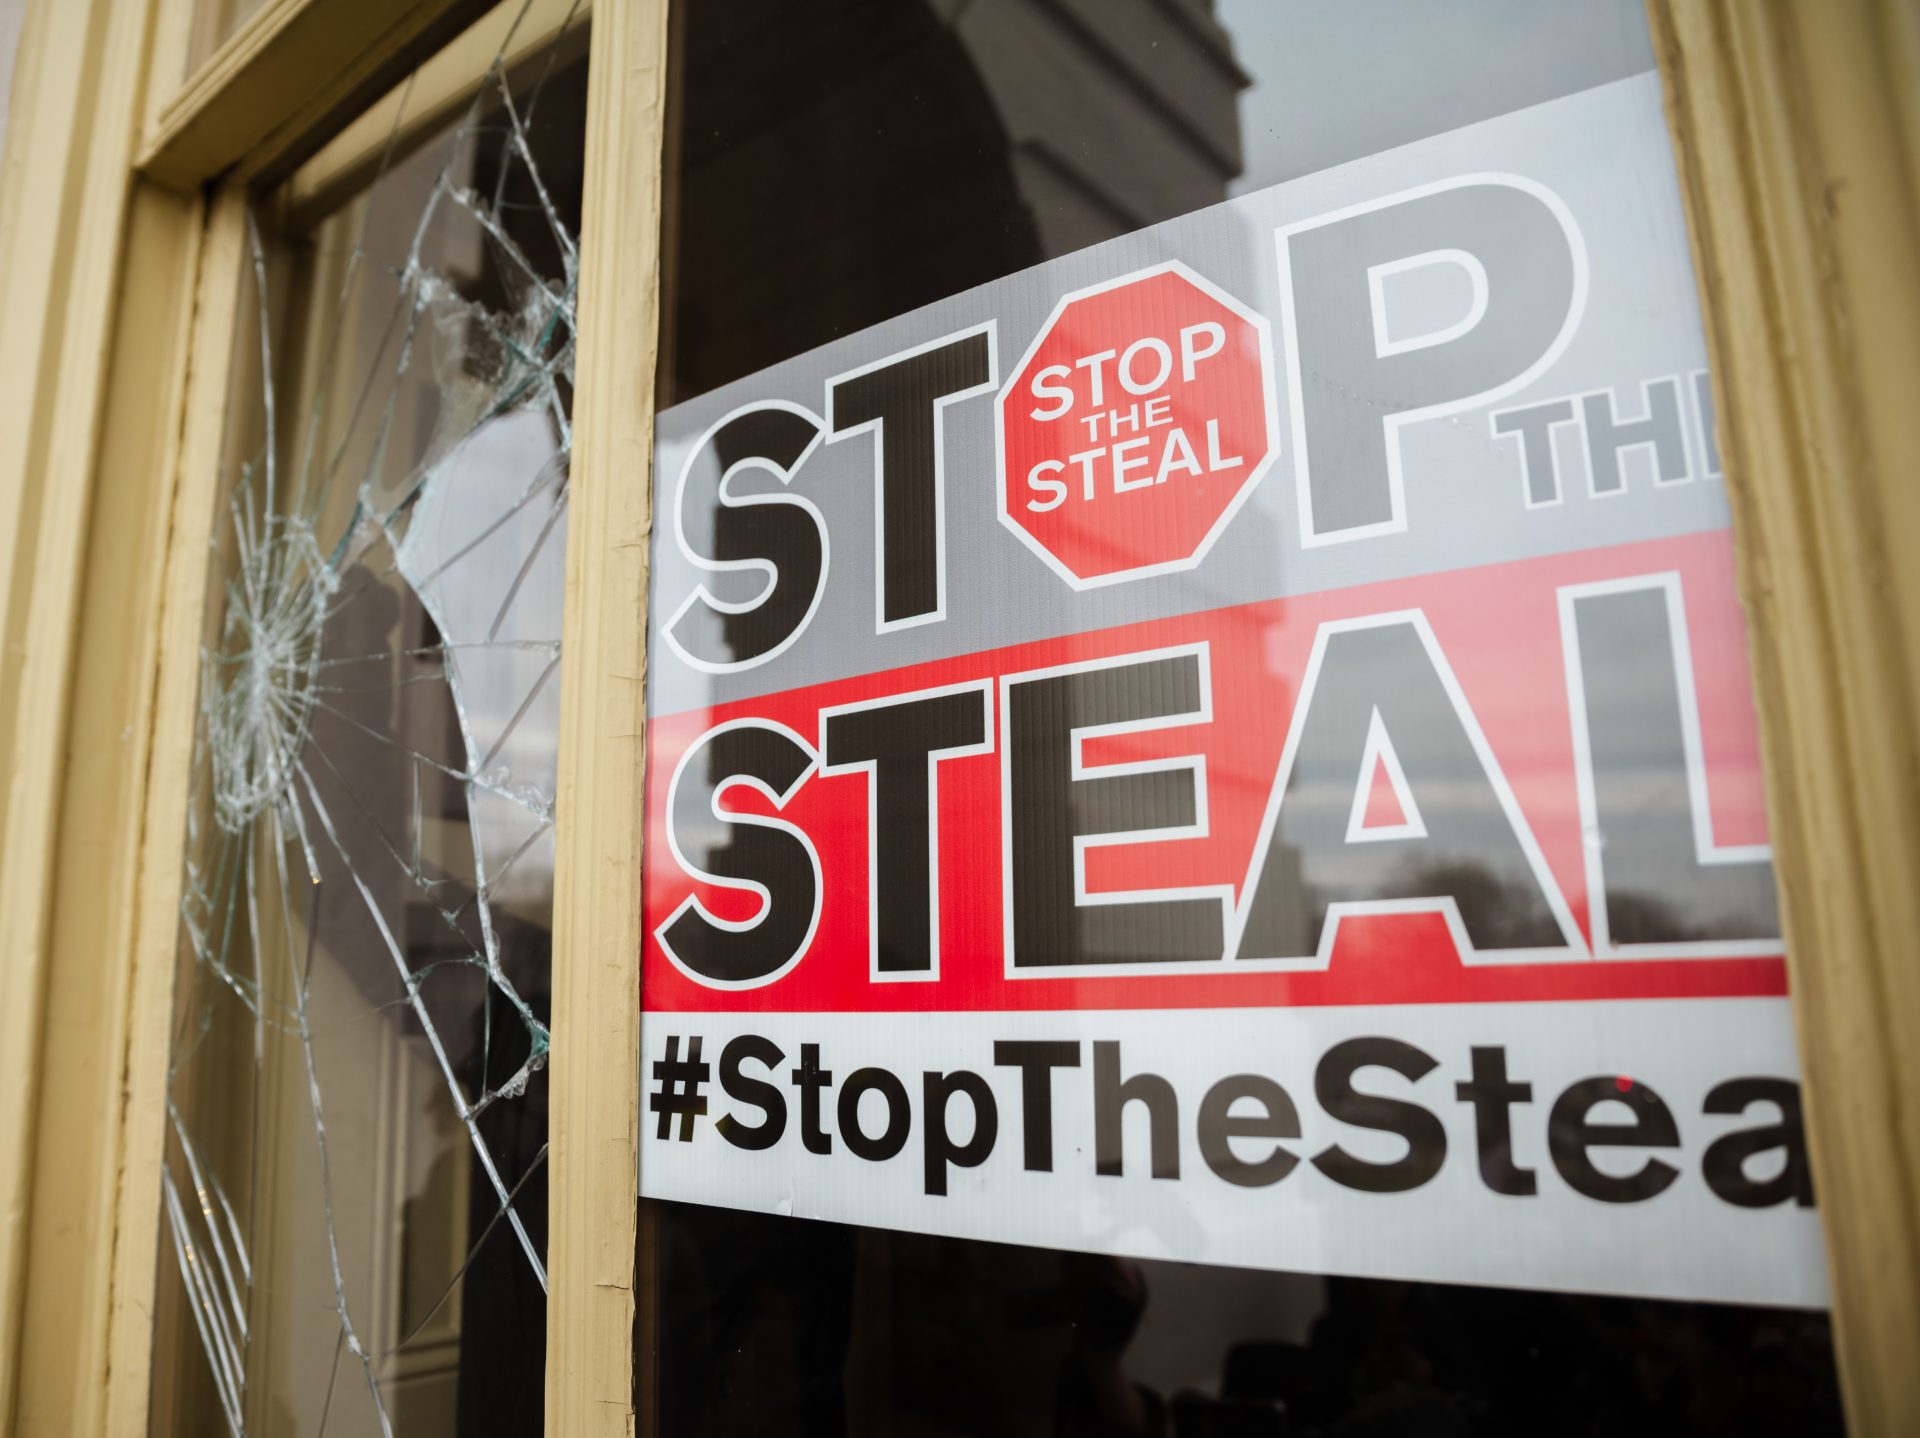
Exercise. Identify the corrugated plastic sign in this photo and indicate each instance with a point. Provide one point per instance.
(1235, 745)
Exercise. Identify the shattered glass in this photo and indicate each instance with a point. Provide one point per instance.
(354, 1203)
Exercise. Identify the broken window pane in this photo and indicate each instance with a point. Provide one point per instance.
(354, 1203)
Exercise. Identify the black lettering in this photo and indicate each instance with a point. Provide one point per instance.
(940, 1149)
(904, 398)
(768, 529)
(901, 740)
(1493, 1096)
(1219, 1126)
(1110, 1098)
(1036, 1059)
(1382, 680)
(1655, 889)
(1535, 423)
(758, 1092)
(1050, 809)
(812, 1080)
(736, 852)
(1425, 1136)
(1570, 1134)
(1609, 437)
(893, 1137)
(1725, 1162)
(1353, 391)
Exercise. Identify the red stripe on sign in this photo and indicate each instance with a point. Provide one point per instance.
(1500, 632)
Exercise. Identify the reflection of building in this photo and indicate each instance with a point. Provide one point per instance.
(1156, 80)
(803, 201)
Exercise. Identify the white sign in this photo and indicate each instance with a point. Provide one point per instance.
(1235, 745)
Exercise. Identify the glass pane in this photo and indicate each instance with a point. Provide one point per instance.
(355, 1185)
(1207, 864)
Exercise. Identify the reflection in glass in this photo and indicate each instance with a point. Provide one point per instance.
(775, 1326)
(837, 165)
(355, 1183)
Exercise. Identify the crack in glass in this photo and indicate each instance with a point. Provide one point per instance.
(354, 1188)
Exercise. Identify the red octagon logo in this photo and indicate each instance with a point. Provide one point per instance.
(1134, 427)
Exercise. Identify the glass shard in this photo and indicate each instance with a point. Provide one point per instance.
(355, 1191)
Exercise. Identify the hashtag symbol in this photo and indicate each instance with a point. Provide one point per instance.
(679, 1092)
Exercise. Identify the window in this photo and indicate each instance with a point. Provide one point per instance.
(1173, 1041)
(1192, 1142)
(355, 1187)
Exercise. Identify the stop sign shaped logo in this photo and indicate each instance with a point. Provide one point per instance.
(1135, 426)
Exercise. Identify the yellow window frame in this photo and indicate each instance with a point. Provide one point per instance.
(1797, 127)
(124, 254)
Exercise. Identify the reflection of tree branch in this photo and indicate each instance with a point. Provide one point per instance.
(1638, 913)
(1505, 906)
